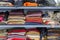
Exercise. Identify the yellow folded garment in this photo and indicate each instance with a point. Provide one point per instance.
(3, 32)
(50, 37)
(16, 22)
(15, 19)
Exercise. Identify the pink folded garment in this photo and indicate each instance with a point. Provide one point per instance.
(1, 18)
(37, 14)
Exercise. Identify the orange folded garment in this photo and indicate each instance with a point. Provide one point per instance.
(34, 19)
(30, 4)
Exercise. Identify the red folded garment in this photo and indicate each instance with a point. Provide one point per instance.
(34, 19)
(17, 30)
(18, 39)
(33, 29)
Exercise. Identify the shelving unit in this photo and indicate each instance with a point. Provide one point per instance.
(40, 29)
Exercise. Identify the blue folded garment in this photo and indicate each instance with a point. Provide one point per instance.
(12, 1)
(32, 23)
(44, 15)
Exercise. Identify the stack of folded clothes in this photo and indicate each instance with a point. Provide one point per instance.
(53, 34)
(16, 18)
(23, 34)
(33, 34)
(2, 19)
(16, 34)
(3, 34)
(34, 17)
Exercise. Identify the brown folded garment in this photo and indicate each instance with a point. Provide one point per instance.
(16, 12)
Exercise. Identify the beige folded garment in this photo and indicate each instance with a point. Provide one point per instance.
(16, 22)
(16, 17)
(6, 4)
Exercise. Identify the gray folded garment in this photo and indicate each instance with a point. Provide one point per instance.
(51, 2)
(19, 3)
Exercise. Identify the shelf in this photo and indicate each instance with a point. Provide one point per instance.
(29, 8)
(30, 26)
(2, 8)
(38, 7)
